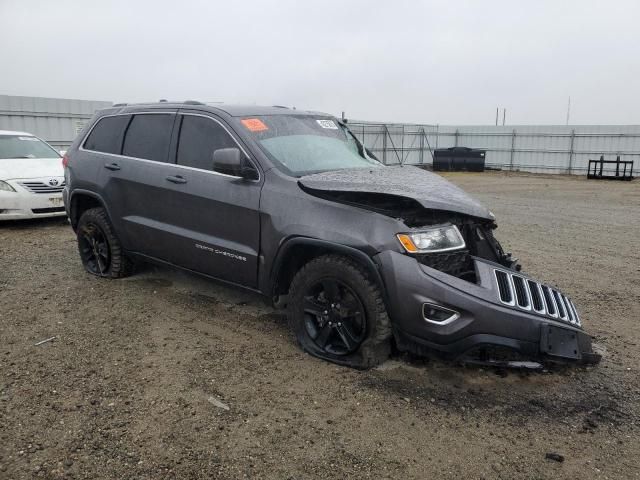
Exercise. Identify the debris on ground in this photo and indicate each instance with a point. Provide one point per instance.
(218, 403)
(556, 457)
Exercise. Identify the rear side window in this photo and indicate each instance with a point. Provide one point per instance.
(107, 135)
(148, 137)
(199, 138)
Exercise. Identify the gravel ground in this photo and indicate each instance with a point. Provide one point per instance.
(131, 386)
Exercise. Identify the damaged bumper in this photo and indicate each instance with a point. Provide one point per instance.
(434, 311)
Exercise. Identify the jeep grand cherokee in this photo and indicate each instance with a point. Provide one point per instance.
(290, 204)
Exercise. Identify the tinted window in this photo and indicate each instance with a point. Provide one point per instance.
(148, 137)
(107, 135)
(199, 138)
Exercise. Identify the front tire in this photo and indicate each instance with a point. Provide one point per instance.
(100, 250)
(337, 313)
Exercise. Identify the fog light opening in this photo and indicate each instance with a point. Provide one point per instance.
(438, 314)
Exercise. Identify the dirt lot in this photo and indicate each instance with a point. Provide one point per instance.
(126, 388)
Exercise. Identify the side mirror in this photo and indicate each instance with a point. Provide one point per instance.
(231, 161)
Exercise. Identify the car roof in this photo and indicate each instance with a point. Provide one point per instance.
(229, 109)
(9, 132)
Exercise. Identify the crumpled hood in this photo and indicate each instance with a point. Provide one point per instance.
(430, 190)
(23, 168)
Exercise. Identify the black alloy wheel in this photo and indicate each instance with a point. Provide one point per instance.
(337, 312)
(334, 317)
(100, 249)
(94, 249)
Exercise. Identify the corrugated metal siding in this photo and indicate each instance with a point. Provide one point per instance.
(56, 120)
(533, 148)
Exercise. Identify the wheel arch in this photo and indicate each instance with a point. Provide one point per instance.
(80, 202)
(297, 251)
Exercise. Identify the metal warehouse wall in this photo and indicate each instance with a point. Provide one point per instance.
(532, 148)
(56, 120)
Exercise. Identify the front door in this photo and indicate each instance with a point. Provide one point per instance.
(215, 217)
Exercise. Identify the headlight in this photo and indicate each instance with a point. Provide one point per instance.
(432, 240)
(6, 187)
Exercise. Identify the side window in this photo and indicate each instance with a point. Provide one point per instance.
(199, 138)
(107, 135)
(148, 136)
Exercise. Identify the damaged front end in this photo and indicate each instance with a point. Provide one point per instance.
(471, 302)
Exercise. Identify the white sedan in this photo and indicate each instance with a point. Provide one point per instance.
(31, 177)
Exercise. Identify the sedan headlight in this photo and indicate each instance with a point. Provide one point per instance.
(432, 240)
(4, 186)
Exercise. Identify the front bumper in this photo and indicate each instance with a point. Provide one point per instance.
(25, 203)
(484, 320)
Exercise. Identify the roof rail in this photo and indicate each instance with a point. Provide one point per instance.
(280, 106)
(119, 105)
(192, 102)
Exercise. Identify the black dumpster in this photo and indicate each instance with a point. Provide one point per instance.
(457, 159)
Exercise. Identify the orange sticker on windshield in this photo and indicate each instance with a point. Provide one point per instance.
(254, 124)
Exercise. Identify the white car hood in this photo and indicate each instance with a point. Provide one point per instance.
(21, 168)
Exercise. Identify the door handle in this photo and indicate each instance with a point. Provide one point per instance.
(112, 166)
(177, 179)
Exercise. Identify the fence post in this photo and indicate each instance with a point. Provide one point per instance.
(456, 137)
(384, 144)
(573, 137)
(422, 145)
(513, 145)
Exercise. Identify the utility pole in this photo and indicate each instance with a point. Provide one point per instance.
(504, 116)
(568, 109)
(497, 108)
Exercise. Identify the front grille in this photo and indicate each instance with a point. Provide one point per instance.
(41, 187)
(526, 294)
(47, 210)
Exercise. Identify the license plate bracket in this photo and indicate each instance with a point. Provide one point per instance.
(559, 342)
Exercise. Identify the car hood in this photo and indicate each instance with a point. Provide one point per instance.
(430, 190)
(19, 168)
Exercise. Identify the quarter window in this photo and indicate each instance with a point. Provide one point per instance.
(107, 135)
(148, 137)
(199, 138)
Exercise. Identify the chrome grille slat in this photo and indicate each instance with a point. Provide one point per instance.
(523, 297)
(537, 299)
(41, 187)
(562, 311)
(525, 294)
(504, 288)
(567, 308)
(552, 308)
(575, 311)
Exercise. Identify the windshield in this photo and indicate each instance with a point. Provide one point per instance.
(19, 146)
(301, 145)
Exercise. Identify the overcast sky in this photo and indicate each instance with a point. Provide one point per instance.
(448, 62)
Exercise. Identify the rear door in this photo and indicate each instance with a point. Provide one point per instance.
(135, 185)
(216, 216)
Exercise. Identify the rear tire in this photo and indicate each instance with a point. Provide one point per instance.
(100, 250)
(337, 313)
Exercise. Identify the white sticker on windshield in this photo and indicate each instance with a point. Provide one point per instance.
(28, 139)
(327, 124)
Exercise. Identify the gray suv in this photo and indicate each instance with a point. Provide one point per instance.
(290, 204)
